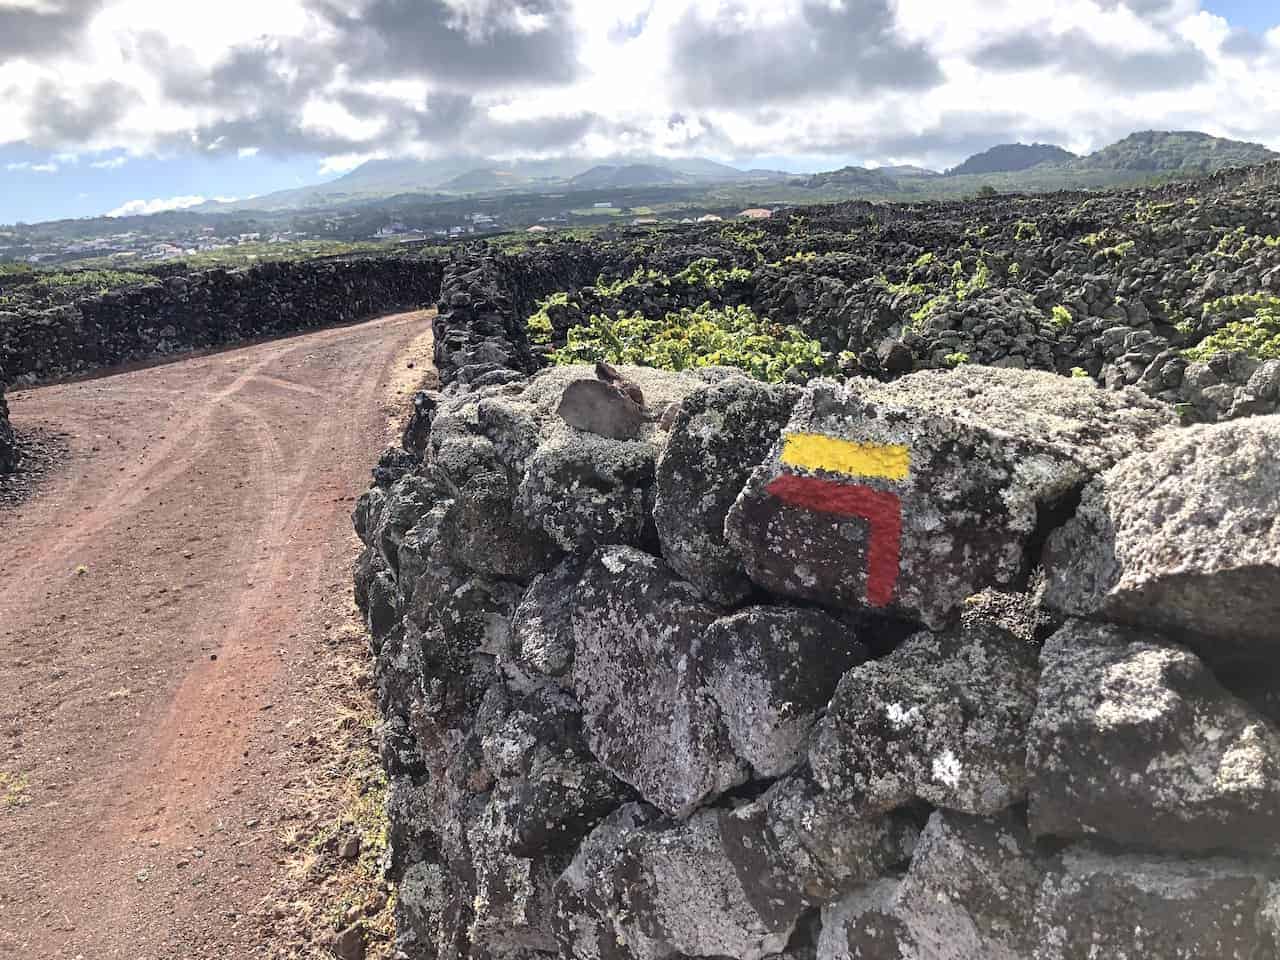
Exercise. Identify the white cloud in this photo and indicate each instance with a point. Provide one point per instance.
(136, 208)
(346, 162)
(113, 163)
(30, 167)
(289, 90)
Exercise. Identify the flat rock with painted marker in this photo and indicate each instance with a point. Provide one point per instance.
(909, 497)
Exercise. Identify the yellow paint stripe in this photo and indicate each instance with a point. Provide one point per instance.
(813, 451)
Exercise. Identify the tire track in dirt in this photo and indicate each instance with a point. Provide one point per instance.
(160, 602)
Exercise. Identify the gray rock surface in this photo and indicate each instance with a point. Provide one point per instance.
(865, 925)
(946, 499)
(586, 917)
(597, 407)
(8, 442)
(1184, 539)
(970, 891)
(368, 512)
(535, 794)
(801, 839)
(542, 627)
(720, 884)
(942, 719)
(528, 486)
(586, 491)
(1126, 906)
(688, 890)
(719, 435)
(407, 501)
(772, 670)
(648, 716)
(1133, 741)
(969, 894)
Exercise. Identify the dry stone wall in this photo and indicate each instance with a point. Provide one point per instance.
(206, 309)
(8, 449)
(182, 311)
(957, 666)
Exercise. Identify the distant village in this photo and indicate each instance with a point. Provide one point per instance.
(169, 240)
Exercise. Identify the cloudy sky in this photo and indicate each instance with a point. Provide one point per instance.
(137, 105)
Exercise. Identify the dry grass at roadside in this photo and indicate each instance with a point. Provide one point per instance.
(333, 834)
(327, 885)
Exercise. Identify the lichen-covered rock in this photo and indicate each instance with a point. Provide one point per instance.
(421, 895)
(797, 839)
(528, 486)
(865, 925)
(586, 917)
(1133, 741)
(407, 501)
(969, 894)
(586, 491)
(653, 889)
(542, 627)
(719, 435)
(474, 453)
(8, 444)
(772, 670)
(971, 889)
(367, 515)
(597, 407)
(911, 496)
(537, 794)
(1127, 906)
(1185, 539)
(943, 719)
(397, 679)
(395, 464)
(690, 892)
(422, 548)
(648, 716)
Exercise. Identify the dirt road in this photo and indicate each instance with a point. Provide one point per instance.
(161, 602)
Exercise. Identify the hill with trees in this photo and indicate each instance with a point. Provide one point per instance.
(1188, 151)
(1012, 157)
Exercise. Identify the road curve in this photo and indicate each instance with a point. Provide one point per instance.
(160, 602)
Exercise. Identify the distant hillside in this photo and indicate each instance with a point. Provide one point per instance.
(1161, 151)
(1012, 157)
(859, 178)
(461, 175)
(632, 175)
(906, 171)
(484, 181)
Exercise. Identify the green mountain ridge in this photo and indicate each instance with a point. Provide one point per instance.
(1011, 158)
(1159, 151)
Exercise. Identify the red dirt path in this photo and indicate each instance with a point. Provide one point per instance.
(160, 603)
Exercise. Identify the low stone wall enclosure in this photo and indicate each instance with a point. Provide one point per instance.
(8, 449)
(966, 664)
(207, 308)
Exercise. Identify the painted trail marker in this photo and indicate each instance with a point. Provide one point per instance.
(881, 509)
